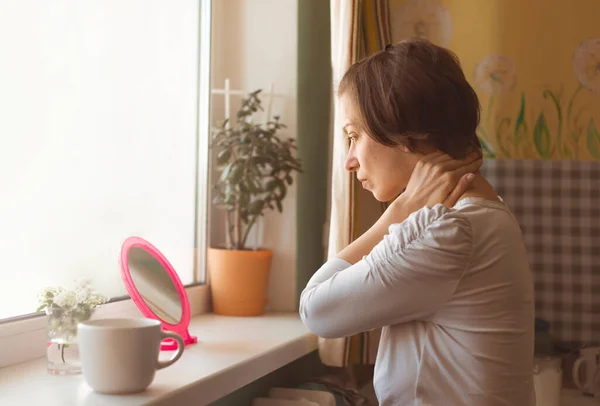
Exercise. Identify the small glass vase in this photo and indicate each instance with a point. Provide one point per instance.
(62, 353)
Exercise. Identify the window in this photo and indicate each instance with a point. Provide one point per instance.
(102, 137)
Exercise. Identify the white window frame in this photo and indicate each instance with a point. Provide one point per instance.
(24, 338)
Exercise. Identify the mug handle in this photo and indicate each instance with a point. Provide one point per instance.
(576, 367)
(180, 345)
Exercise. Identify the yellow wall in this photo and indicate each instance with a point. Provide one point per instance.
(540, 37)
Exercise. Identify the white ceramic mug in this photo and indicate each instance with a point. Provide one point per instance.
(121, 355)
(547, 380)
(588, 363)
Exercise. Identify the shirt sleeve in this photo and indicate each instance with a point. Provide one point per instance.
(408, 276)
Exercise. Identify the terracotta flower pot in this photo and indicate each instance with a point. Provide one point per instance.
(238, 281)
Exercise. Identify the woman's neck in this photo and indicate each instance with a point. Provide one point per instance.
(481, 188)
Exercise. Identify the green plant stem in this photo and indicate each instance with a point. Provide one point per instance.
(546, 94)
(248, 228)
(62, 352)
(571, 101)
(506, 121)
(576, 133)
(236, 214)
(228, 230)
(238, 226)
(573, 126)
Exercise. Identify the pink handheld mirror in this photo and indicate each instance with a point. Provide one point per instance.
(156, 289)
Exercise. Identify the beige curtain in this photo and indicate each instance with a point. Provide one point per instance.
(358, 28)
(344, 14)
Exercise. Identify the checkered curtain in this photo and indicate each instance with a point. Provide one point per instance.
(557, 204)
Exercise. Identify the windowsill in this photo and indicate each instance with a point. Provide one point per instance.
(231, 352)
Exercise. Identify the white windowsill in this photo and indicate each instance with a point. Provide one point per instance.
(25, 340)
(231, 352)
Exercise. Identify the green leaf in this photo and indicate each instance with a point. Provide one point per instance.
(593, 139)
(520, 122)
(229, 201)
(487, 151)
(260, 160)
(226, 171)
(281, 188)
(236, 173)
(520, 132)
(255, 207)
(223, 157)
(541, 137)
(249, 186)
(271, 185)
(505, 122)
(217, 200)
(556, 100)
(244, 199)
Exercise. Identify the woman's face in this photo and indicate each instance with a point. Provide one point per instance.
(382, 170)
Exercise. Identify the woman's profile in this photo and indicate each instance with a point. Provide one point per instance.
(444, 270)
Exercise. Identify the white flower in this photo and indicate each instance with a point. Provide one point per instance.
(586, 64)
(80, 298)
(83, 295)
(81, 283)
(66, 299)
(422, 19)
(496, 74)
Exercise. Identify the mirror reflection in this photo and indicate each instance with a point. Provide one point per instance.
(154, 285)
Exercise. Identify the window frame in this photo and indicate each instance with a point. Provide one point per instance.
(23, 338)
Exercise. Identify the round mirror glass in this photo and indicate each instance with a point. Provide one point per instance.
(154, 285)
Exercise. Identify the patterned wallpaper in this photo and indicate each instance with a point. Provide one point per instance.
(535, 65)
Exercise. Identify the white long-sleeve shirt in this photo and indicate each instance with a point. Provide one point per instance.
(453, 292)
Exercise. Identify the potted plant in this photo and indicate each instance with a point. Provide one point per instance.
(256, 168)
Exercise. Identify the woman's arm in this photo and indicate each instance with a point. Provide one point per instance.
(407, 276)
(397, 280)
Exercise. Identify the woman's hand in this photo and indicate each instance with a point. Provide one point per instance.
(438, 178)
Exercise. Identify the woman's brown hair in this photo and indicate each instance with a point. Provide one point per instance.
(414, 93)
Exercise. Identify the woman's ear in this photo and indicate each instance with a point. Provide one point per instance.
(404, 148)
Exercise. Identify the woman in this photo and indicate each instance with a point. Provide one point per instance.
(444, 270)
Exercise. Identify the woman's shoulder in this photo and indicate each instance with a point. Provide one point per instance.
(439, 223)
